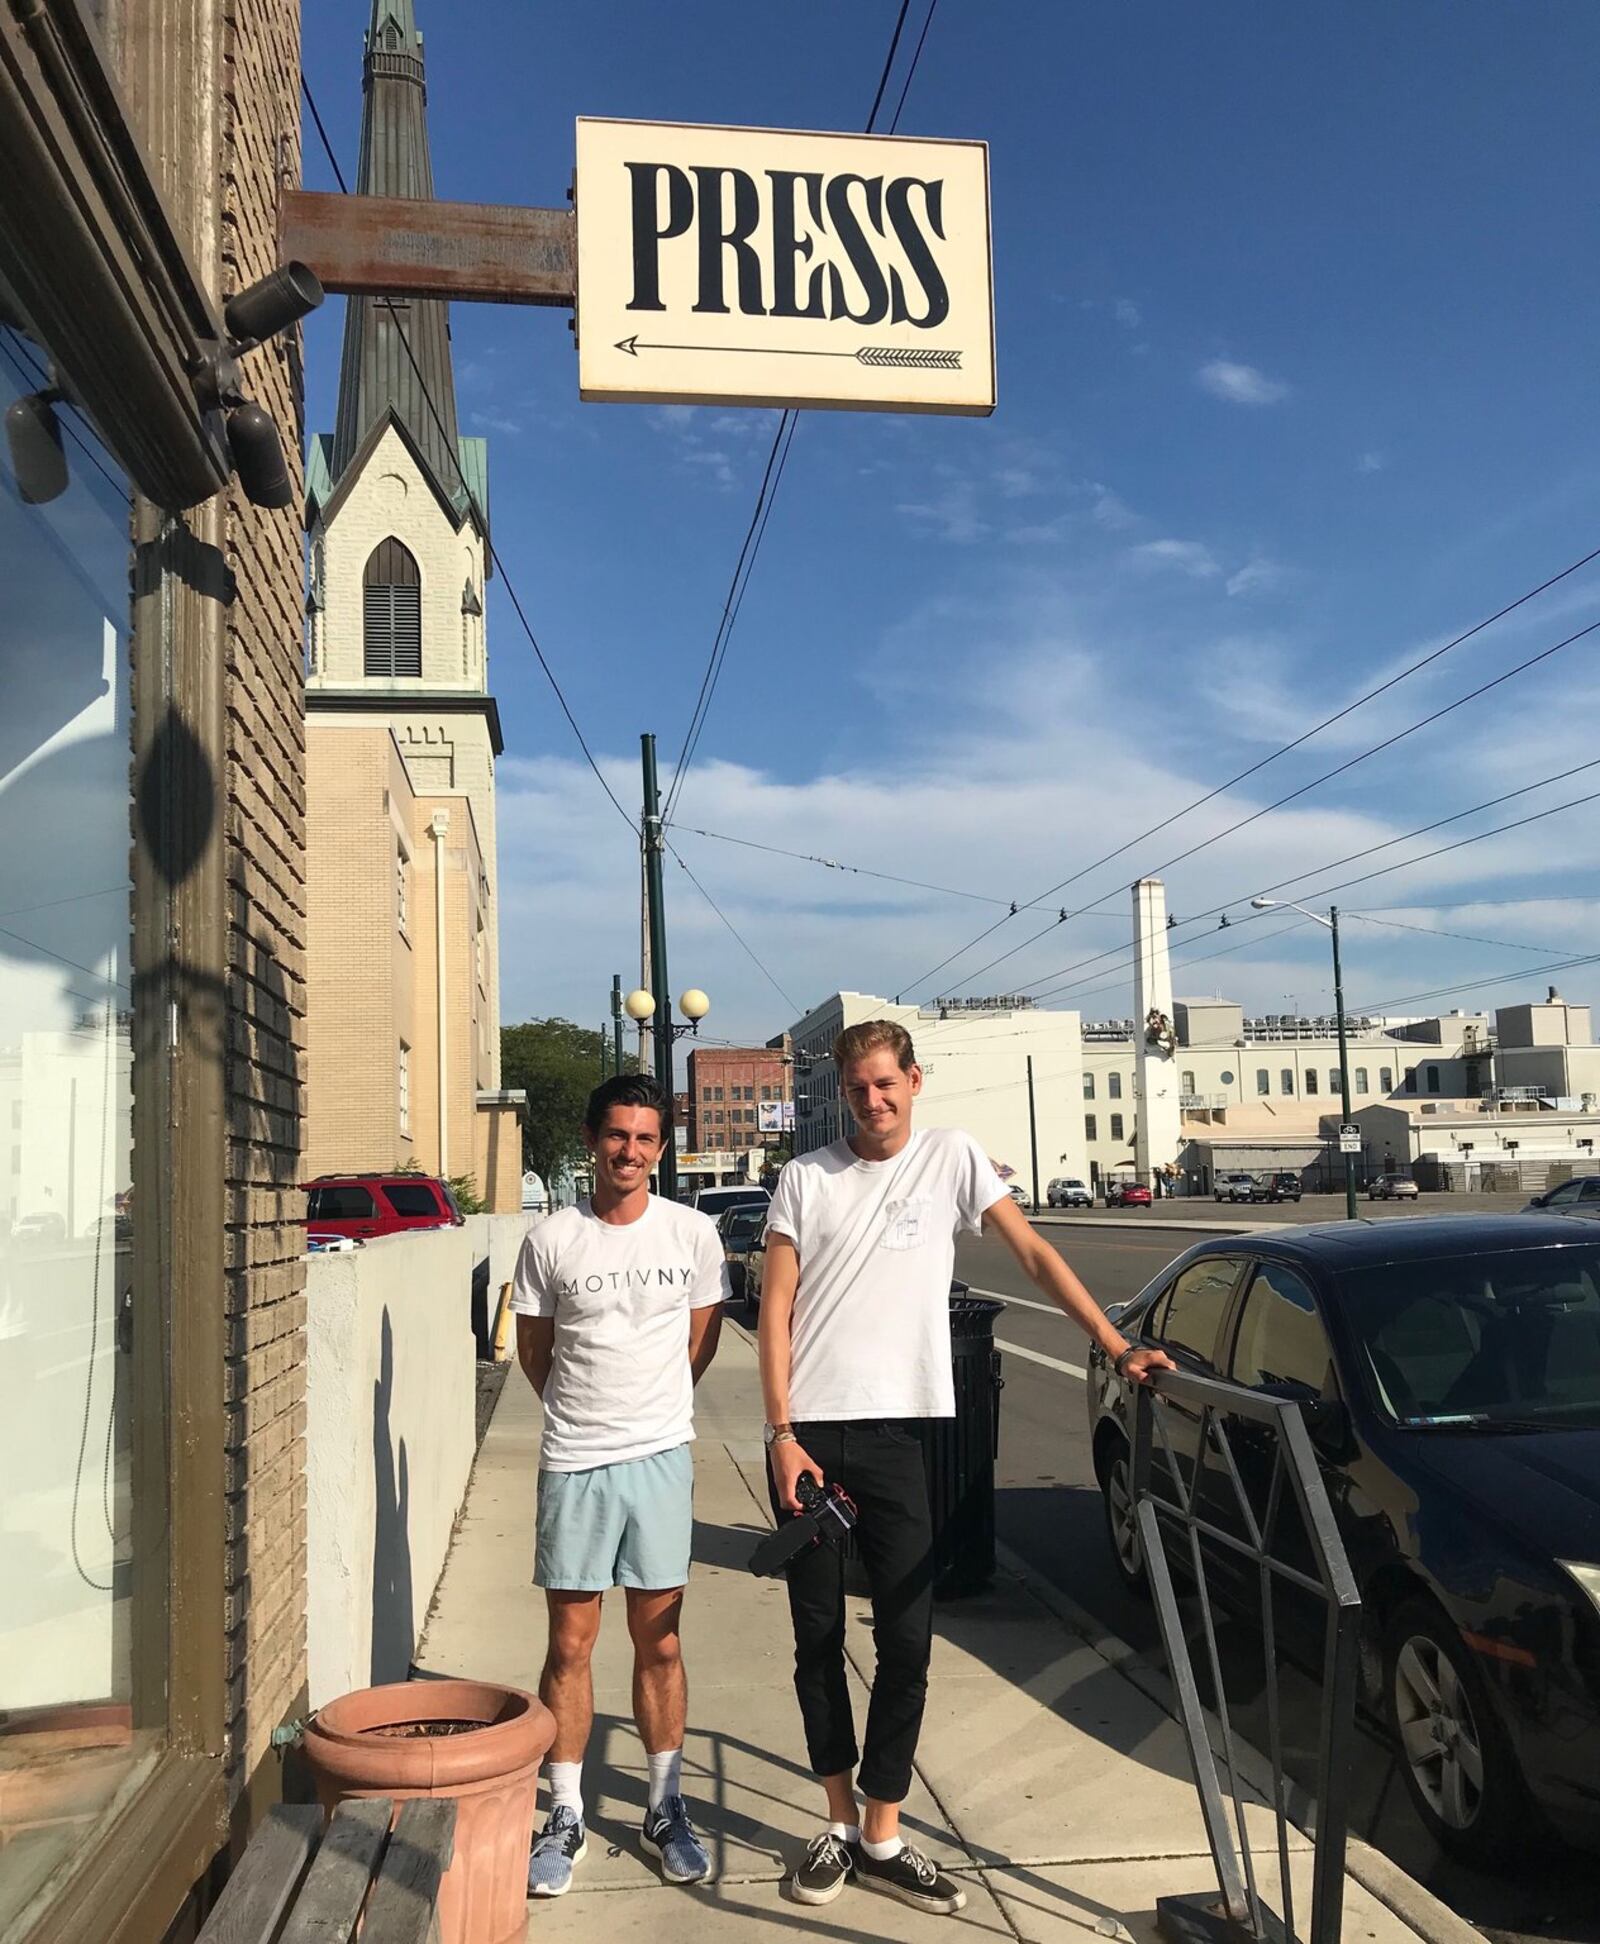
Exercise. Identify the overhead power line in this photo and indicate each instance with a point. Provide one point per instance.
(1402, 864)
(1338, 863)
(455, 460)
(1438, 931)
(1243, 775)
(738, 936)
(772, 475)
(1304, 789)
(851, 870)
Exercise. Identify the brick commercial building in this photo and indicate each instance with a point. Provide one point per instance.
(739, 1097)
(152, 1314)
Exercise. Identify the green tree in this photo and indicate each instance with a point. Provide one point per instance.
(559, 1066)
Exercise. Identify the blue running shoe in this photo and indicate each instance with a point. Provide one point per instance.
(669, 1832)
(556, 1854)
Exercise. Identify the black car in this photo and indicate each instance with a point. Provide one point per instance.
(1451, 1369)
(1278, 1185)
(741, 1230)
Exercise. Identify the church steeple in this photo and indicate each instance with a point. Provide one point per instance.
(375, 375)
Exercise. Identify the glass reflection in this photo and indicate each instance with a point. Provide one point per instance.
(67, 1739)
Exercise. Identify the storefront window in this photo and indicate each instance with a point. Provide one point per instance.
(71, 1734)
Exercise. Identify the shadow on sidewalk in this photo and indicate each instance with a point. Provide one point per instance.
(722, 1545)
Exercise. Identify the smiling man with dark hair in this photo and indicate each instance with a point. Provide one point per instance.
(618, 1304)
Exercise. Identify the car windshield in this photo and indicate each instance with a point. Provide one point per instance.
(1509, 1340)
(744, 1227)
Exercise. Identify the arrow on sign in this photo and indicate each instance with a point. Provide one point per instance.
(869, 354)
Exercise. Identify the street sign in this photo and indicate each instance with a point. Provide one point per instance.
(1349, 1139)
(758, 266)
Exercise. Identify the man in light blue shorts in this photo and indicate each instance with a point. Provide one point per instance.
(618, 1304)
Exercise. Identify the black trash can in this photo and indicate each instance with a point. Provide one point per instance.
(959, 1453)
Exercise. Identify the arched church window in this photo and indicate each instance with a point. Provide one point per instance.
(391, 613)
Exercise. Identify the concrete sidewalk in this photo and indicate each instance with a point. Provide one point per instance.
(1057, 1790)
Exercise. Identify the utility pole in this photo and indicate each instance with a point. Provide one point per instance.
(605, 1052)
(1344, 1066)
(1033, 1135)
(616, 1021)
(661, 991)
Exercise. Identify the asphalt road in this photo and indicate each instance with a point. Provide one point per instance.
(1049, 1512)
(1313, 1208)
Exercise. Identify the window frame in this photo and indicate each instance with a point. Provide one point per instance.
(1154, 1325)
(1256, 1267)
(1091, 1127)
(1264, 1082)
(1117, 1125)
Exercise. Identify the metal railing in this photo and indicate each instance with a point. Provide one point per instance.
(1197, 1504)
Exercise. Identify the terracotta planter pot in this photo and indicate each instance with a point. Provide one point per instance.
(491, 1769)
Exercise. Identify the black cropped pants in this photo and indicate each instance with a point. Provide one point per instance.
(879, 1464)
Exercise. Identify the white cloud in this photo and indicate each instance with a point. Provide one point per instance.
(1191, 557)
(491, 422)
(1111, 512)
(1371, 462)
(952, 516)
(1016, 482)
(1127, 313)
(1240, 384)
(672, 418)
(1255, 577)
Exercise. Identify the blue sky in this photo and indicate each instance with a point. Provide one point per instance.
(1295, 346)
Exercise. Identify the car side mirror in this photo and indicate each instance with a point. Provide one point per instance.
(1540, 1201)
(1328, 1425)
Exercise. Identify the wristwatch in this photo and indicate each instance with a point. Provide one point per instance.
(772, 1434)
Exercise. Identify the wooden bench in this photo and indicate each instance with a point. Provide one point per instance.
(303, 1882)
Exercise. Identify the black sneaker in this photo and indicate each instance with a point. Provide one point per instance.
(830, 1863)
(914, 1878)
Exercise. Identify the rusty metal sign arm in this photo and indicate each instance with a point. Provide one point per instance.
(380, 246)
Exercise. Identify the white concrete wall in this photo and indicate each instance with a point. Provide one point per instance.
(389, 1447)
(499, 1238)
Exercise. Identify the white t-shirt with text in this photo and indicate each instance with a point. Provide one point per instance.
(619, 1385)
(870, 1332)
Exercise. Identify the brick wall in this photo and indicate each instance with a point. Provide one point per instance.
(264, 794)
(724, 1068)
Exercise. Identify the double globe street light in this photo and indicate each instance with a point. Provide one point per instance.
(640, 1007)
(1330, 923)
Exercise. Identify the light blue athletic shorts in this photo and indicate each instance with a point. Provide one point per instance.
(618, 1525)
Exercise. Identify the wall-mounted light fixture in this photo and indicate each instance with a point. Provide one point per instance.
(33, 441)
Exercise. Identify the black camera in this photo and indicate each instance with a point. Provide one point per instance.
(827, 1514)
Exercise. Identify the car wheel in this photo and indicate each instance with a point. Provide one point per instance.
(1454, 1756)
(1122, 1530)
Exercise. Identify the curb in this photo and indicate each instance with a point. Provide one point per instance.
(1158, 1227)
(1400, 1893)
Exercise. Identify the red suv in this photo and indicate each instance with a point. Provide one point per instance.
(365, 1205)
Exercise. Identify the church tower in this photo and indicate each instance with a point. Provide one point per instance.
(402, 921)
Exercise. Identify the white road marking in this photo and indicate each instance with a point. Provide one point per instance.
(1038, 1357)
(1021, 1302)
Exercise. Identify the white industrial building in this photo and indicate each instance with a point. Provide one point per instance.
(974, 1057)
(1190, 1089)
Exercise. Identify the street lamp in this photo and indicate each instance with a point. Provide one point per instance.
(640, 1006)
(1331, 922)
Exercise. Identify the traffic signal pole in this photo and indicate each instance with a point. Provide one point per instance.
(660, 990)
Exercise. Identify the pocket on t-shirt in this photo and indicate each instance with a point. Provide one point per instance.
(906, 1223)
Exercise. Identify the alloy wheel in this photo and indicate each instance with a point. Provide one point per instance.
(1438, 1732)
(1123, 1520)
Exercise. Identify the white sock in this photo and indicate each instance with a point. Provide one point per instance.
(881, 1852)
(666, 1775)
(846, 1832)
(566, 1786)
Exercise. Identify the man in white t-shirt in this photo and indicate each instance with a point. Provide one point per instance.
(618, 1304)
(855, 1350)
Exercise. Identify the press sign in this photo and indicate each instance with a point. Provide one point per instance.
(751, 266)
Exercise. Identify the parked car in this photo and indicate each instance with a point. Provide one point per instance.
(741, 1229)
(717, 1201)
(46, 1225)
(755, 1264)
(1234, 1188)
(365, 1205)
(1066, 1191)
(1582, 1193)
(1127, 1194)
(1450, 1369)
(1277, 1185)
(1018, 1193)
(320, 1242)
(1392, 1187)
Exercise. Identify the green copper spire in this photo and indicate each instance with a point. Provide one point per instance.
(376, 376)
